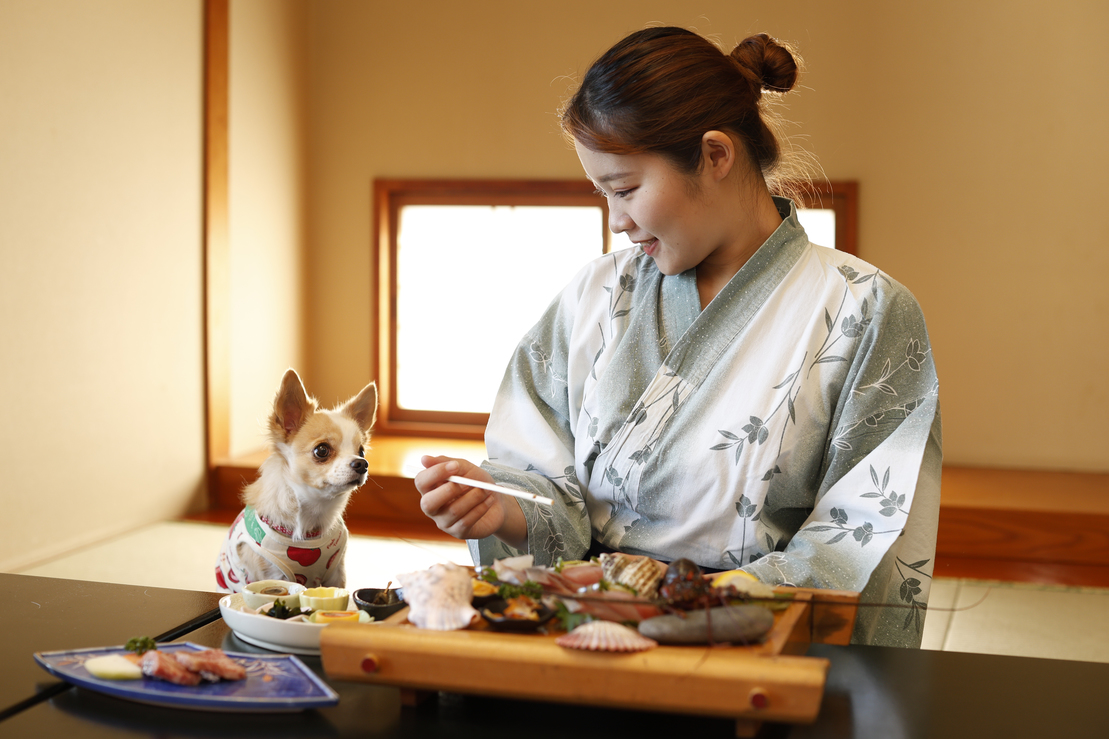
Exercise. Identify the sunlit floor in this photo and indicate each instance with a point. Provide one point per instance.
(1013, 619)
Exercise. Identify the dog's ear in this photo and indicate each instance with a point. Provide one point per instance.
(363, 407)
(292, 405)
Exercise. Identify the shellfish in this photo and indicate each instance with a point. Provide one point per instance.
(439, 597)
(605, 636)
(641, 574)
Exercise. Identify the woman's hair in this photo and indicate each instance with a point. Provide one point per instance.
(660, 89)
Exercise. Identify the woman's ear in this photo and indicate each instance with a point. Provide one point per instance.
(718, 152)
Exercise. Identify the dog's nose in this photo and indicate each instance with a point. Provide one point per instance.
(360, 466)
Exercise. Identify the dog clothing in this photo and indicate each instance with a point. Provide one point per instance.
(306, 561)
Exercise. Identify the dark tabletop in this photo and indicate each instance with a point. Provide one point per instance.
(877, 692)
(44, 614)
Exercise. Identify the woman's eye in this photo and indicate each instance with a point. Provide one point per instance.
(622, 193)
(321, 452)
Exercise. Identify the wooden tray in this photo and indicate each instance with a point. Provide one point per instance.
(763, 682)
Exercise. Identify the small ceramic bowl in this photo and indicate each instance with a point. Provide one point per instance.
(259, 593)
(325, 599)
(367, 599)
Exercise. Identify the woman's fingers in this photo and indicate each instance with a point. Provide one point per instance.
(458, 509)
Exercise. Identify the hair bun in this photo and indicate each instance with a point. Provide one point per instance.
(767, 63)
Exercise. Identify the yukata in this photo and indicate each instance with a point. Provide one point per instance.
(311, 562)
(790, 429)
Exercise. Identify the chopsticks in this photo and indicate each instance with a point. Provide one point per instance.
(499, 489)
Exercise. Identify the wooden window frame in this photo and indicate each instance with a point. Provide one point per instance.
(390, 195)
(843, 197)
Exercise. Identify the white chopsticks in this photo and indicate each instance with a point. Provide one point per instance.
(499, 489)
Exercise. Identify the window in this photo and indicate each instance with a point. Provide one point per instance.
(829, 213)
(466, 267)
(476, 262)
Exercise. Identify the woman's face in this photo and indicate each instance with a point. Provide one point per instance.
(658, 207)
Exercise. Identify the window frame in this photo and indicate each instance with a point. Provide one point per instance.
(390, 195)
(842, 196)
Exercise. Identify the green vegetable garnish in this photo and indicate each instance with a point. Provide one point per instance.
(569, 620)
(140, 644)
(282, 611)
(530, 588)
(489, 576)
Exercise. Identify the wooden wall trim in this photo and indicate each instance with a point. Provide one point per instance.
(216, 249)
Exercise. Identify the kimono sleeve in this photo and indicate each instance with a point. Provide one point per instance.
(873, 526)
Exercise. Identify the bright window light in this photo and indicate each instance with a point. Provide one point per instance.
(471, 281)
(819, 224)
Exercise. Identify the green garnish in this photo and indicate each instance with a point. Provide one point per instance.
(506, 590)
(530, 588)
(569, 620)
(282, 611)
(489, 575)
(140, 644)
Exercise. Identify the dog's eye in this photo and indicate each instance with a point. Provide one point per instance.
(321, 452)
(361, 451)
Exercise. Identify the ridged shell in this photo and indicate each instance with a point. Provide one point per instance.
(439, 597)
(639, 573)
(605, 636)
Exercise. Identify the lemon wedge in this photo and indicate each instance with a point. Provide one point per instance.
(729, 578)
(113, 667)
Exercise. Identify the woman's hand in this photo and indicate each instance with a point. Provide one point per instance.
(467, 512)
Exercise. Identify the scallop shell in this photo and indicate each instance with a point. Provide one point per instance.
(439, 597)
(605, 636)
(638, 573)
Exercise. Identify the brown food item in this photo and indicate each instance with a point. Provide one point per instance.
(164, 667)
(522, 607)
(483, 589)
(212, 664)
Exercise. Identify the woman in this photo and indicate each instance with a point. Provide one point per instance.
(724, 390)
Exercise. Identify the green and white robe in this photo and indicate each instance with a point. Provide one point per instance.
(791, 428)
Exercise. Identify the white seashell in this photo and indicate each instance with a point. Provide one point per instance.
(605, 636)
(641, 574)
(439, 597)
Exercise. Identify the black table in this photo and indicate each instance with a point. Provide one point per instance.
(42, 614)
(871, 692)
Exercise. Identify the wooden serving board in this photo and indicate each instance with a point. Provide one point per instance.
(762, 682)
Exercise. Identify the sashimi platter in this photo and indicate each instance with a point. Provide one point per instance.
(618, 631)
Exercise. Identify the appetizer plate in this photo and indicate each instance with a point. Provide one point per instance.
(298, 637)
(278, 682)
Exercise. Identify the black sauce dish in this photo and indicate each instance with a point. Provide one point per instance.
(380, 602)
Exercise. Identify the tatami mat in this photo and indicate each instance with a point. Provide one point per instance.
(182, 555)
(964, 615)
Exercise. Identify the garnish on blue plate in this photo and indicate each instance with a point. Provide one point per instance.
(140, 644)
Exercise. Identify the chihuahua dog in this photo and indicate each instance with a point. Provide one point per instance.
(292, 526)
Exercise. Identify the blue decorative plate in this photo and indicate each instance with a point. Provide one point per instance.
(274, 682)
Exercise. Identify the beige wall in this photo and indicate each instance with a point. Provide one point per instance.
(101, 231)
(266, 139)
(975, 131)
(100, 269)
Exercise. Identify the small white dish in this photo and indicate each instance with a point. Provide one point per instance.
(325, 599)
(259, 593)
